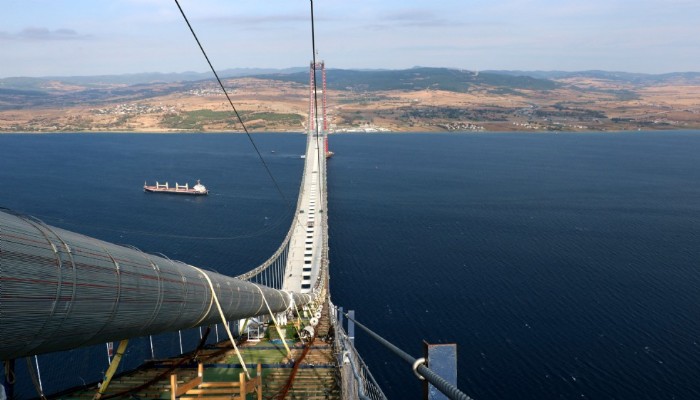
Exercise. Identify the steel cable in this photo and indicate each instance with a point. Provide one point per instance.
(245, 129)
(436, 380)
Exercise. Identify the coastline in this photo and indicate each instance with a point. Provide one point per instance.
(358, 133)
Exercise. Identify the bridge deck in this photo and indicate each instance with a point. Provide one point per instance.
(306, 244)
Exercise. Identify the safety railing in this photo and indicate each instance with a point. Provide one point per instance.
(356, 379)
(418, 365)
(283, 249)
(320, 283)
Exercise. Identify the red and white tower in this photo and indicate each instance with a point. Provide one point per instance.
(313, 119)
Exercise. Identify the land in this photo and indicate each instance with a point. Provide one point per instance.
(418, 99)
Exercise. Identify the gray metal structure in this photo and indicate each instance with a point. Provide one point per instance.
(61, 290)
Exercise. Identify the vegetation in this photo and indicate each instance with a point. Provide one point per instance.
(274, 117)
(200, 119)
(195, 120)
(418, 79)
(460, 114)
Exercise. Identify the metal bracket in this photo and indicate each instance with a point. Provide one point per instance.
(416, 364)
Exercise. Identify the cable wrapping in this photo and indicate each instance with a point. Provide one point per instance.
(60, 290)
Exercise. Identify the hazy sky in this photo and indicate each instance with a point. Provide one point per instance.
(93, 37)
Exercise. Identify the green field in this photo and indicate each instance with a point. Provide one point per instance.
(200, 119)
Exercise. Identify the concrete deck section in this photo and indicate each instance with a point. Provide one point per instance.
(306, 244)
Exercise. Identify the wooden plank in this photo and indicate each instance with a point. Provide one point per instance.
(219, 384)
(173, 386)
(182, 389)
(211, 391)
(241, 379)
(258, 378)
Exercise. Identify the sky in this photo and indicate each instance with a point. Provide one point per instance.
(89, 37)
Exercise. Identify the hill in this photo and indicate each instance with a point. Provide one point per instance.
(416, 99)
(420, 78)
(101, 81)
(692, 78)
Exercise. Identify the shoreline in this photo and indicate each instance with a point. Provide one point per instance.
(385, 132)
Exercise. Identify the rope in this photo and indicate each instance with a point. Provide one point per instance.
(223, 319)
(211, 301)
(36, 381)
(10, 377)
(299, 321)
(277, 327)
(297, 363)
(102, 388)
(293, 306)
(245, 325)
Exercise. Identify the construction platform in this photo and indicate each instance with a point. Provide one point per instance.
(215, 372)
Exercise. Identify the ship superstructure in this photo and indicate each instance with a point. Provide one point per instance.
(197, 190)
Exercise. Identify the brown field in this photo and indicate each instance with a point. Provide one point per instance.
(267, 105)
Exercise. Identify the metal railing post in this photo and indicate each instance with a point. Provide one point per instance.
(450, 390)
(351, 326)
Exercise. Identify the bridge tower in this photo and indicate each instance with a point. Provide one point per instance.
(313, 118)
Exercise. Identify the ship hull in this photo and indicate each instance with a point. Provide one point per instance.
(191, 192)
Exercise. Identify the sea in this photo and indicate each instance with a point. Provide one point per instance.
(564, 266)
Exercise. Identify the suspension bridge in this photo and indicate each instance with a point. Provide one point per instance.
(61, 290)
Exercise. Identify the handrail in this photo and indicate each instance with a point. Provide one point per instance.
(284, 246)
(368, 388)
(318, 289)
(324, 227)
(419, 367)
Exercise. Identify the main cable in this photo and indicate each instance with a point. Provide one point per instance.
(315, 117)
(262, 160)
(232, 106)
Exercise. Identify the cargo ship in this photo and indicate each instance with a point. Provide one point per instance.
(196, 190)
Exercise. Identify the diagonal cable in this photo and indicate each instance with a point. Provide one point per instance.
(262, 160)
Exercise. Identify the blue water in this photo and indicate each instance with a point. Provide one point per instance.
(565, 266)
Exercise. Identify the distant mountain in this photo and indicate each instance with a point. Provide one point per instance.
(50, 93)
(132, 79)
(23, 92)
(419, 78)
(22, 84)
(44, 83)
(615, 76)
